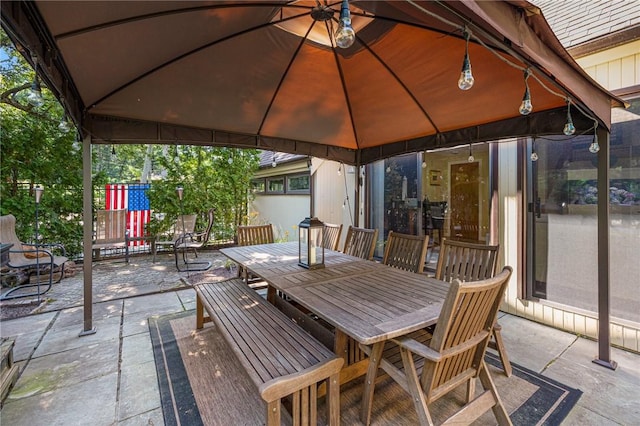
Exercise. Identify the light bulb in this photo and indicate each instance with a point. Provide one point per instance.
(569, 128)
(424, 164)
(273, 163)
(34, 95)
(465, 82)
(230, 160)
(534, 156)
(339, 171)
(471, 159)
(526, 107)
(595, 146)
(388, 169)
(345, 35)
(64, 126)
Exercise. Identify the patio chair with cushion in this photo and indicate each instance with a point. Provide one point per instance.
(38, 258)
(472, 262)
(452, 356)
(249, 235)
(193, 242)
(111, 232)
(184, 225)
(360, 242)
(332, 236)
(406, 252)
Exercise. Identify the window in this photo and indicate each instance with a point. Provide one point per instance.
(282, 184)
(298, 184)
(257, 186)
(275, 185)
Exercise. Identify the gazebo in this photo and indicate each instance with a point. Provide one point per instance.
(352, 81)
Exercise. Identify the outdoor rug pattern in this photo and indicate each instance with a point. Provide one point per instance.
(201, 383)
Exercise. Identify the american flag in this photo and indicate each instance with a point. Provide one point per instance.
(132, 197)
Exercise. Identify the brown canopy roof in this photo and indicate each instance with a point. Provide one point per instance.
(265, 73)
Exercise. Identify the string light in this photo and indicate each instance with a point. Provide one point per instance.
(500, 56)
(340, 170)
(424, 160)
(569, 128)
(471, 158)
(465, 82)
(526, 107)
(273, 160)
(534, 155)
(345, 35)
(595, 146)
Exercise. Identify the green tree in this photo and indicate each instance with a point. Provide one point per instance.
(35, 149)
(211, 177)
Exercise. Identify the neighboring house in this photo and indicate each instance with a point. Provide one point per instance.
(282, 190)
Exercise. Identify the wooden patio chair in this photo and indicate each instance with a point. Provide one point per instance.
(360, 242)
(193, 242)
(452, 356)
(332, 236)
(406, 252)
(30, 257)
(111, 232)
(250, 235)
(184, 225)
(472, 262)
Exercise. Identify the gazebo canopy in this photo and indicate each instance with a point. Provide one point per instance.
(268, 74)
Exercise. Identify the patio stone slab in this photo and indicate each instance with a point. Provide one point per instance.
(67, 338)
(100, 311)
(90, 402)
(139, 392)
(66, 369)
(154, 304)
(150, 418)
(581, 416)
(520, 335)
(27, 324)
(26, 344)
(611, 394)
(136, 349)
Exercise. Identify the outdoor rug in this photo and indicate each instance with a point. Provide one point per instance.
(201, 383)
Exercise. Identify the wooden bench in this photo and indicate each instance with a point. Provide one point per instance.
(279, 356)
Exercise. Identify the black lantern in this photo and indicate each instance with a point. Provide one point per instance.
(310, 247)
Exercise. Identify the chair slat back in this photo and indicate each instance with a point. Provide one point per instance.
(8, 235)
(406, 252)
(111, 226)
(249, 235)
(204, 238)
(361, 242)
(463, 330)
(332, 236)
(185, 224)
(466, 261)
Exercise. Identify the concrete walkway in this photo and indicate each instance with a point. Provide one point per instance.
(109, 377)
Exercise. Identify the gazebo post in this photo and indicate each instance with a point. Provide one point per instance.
(87, 219)
(604, 289)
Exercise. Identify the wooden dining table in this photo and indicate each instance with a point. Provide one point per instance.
(363, 301)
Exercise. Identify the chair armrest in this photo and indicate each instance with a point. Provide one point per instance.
(52, 246)
(418, 348)
(37, 251)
